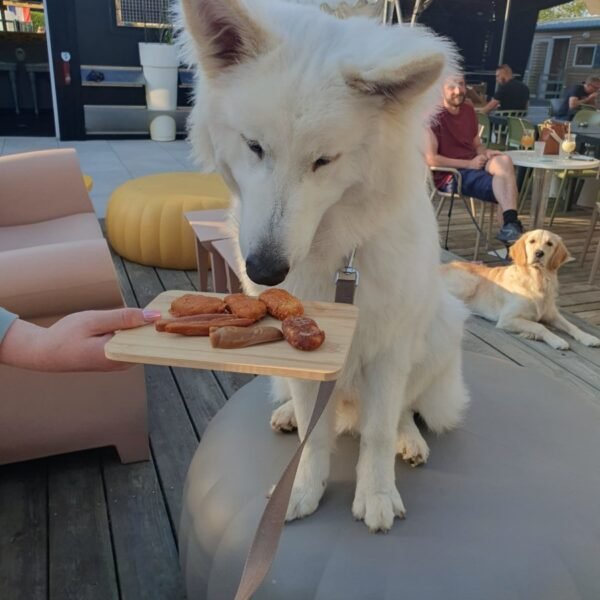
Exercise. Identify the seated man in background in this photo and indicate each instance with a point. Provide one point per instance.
(511, 94)
(576, 95)
(488, 175)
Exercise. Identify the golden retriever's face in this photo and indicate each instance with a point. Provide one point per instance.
(540, 248)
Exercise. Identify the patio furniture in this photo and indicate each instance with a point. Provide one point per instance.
(145, 216)
(11, 69)
(227, 249)
(88, 182)
(499, 125)
(588, 117)
(570, 186)
(543, 167)
(54, 261)
(482, 517)
(208, 227)
(32, 69)
(488, 208)
(588, 241)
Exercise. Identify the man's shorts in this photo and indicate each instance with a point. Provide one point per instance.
(475, 182)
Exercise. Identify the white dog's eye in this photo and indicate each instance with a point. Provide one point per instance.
(549, 244)
(320, 162)
(255, 147)
(323, 161)
(532, 241)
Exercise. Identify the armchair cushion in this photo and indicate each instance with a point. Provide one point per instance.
(40, 186)
(57, 279)
(83, 226)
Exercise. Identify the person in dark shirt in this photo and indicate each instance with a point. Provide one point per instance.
(576, 95)
(488, 175)
(511, 93)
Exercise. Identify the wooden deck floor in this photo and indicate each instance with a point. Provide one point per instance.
(576, 295)
(85, 527)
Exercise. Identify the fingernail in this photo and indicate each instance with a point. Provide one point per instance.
(151, 315)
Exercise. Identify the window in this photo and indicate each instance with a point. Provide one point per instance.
(142, 13)
(584, 56)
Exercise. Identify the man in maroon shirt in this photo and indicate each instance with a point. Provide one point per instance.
(488, 175)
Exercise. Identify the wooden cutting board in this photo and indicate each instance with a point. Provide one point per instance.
(146, 345)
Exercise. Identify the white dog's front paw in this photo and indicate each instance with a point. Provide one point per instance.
(378, 510)
(589, 340)
(283, 418)
(412, 448)
(304, 499)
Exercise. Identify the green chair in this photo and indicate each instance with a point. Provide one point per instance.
(515, 128)
(590, 117)
(484, 121)
(499, 133)
(568, 181)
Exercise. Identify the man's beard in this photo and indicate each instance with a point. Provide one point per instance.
(456, 100)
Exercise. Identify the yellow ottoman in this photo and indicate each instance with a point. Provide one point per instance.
(145, 220)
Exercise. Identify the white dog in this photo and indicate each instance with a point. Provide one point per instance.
(522, 296)
(317, 126)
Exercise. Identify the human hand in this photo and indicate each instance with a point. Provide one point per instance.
(478, 162)
(76, 342)
(491, 153)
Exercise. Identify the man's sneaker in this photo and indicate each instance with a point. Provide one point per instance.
(510, 232)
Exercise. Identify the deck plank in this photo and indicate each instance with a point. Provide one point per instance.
(81, 565)
(143, 540)
(172, 437)
(23, 531)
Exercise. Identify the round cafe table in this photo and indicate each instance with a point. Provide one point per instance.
(543, 166)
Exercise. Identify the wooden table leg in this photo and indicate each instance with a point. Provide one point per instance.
(219, 272)
(202, 259)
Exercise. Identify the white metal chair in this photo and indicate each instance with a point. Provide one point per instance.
(469, 203)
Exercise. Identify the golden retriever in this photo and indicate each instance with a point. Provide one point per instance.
(521, 296)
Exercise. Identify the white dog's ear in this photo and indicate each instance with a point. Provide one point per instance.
(224, 32)
(396, 80)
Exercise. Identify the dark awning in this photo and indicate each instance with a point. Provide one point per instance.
(476, 26)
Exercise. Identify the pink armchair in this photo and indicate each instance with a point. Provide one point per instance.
(53, 261)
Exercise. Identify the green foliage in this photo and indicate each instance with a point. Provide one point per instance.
(571, 10)
(37, 20)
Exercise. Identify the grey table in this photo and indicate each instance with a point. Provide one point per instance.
(543, 167)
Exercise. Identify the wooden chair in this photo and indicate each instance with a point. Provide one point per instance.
(478, 220)
(588, 241)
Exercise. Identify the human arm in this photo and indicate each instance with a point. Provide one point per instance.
(576, 101)
(74, 343)
(482, 150)
(434, 159)
(493, 104)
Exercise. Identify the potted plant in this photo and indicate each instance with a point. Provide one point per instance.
(160, 65)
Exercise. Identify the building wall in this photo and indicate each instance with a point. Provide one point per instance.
(543, 40)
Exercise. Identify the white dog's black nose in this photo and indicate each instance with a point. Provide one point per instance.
(266, 270)
(539, 253)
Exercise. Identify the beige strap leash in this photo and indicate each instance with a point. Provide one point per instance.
(266, 539)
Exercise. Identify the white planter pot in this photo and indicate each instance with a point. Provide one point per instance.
(159, 65)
